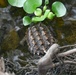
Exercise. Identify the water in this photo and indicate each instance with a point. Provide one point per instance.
(23, 62)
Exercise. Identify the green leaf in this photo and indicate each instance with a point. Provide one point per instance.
(30, 5)
(50, 15)
(59, 9)
(17, 3)
(46, 2)
(44, 8)
(35, 19)
(26, 20)
(38, 12)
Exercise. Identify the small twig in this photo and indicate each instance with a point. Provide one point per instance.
(68, 58)
(9, 62)
(67, 46)
(21, 69)
(67, 53)
(65, 62)
(23, 40)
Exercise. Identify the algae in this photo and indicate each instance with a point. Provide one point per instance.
(11, 41)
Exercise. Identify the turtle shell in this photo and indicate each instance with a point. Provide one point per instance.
(39, 39)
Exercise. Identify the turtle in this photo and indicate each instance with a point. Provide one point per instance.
(39, 38)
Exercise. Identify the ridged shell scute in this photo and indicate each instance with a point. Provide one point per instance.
(39, 39)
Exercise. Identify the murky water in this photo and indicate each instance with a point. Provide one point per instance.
(11, 28)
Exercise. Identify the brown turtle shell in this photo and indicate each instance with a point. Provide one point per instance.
(39, 39)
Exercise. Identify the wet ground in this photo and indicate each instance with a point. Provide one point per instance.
(12, 31)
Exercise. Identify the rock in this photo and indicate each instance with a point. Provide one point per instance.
(11, 41)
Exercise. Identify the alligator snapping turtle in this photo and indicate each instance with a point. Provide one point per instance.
(39, 38)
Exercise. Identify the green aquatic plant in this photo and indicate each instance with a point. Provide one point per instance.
(40, 14)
